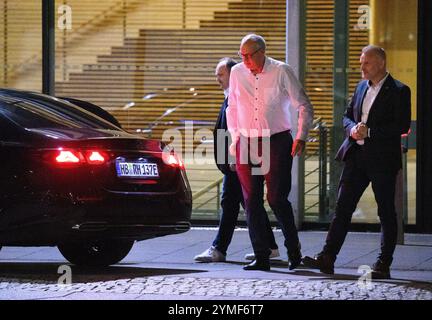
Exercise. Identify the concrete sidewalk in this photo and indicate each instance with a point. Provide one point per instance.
(163, 268)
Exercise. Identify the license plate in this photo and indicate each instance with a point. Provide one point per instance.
(137, 170)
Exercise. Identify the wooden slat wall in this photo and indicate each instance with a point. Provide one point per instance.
(165, 51)
(159, 53)
(24, 44)
(3, 48)
(168, 62)
(319, 53)
(96, 27)
(22, 41)
(358, 39)
(319, 57)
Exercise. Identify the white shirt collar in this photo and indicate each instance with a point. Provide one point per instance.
(226, 93)
(379, 84)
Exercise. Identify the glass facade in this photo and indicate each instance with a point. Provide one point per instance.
(151, 64)
(21, 44)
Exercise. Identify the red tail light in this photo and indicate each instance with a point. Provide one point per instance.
(75, 157)
(95, 157)
(174, 161)
(66, 156)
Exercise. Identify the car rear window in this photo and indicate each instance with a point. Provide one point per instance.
(32, 115)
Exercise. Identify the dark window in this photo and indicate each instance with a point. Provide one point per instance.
(32, 114)
(93, 109)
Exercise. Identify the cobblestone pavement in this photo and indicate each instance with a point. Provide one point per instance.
(206, 288)
(164, 269)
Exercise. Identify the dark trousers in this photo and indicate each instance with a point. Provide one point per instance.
(278, 182)
(356, 176)
(232, 197)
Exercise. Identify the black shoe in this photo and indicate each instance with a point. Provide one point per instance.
(380, 270)
(258, 264)
(294, 260)
(322, 261)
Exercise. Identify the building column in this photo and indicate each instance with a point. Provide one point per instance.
(424, 116)
(293, 58)
(48, 46)
(340, 93)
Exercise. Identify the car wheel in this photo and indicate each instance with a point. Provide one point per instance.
(95, 253)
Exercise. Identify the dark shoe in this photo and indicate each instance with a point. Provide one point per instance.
(294, 260)
(258, 264)
(380, 270)
(323, 262)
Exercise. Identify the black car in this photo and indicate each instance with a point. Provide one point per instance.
(72, 179)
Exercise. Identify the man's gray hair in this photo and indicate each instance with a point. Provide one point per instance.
(228, 62)
(375, 50)
(257, 39)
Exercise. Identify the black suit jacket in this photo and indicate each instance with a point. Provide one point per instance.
(222, 140)
(389, 118)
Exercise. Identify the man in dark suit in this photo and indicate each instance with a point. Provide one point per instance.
(232, 195)
(379, 112)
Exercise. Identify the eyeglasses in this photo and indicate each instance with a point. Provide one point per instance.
(248, 55)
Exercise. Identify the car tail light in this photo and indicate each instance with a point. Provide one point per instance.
(173, 160)
(67, 156)
(71, 157)
(95, 157)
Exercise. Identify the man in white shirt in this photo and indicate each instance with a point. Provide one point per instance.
(231, 196)
(378, 114)
(262, 91)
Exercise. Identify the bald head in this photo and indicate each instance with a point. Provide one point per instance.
(373, 64)
(252, 52)
(256, 40)
(375, 50)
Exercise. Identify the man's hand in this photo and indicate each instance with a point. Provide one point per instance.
(360, 131)
(232, 149)
(298, 147)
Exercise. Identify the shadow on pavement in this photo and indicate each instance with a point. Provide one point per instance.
(50, 272)
(348, 277)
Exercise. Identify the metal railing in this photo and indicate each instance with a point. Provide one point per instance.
(316, 185)
(204, 191)
(316, 181)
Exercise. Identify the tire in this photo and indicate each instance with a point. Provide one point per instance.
(100, 253)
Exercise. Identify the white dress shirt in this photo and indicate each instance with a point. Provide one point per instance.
(371, 93)
(259, 105)
(226, 93)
